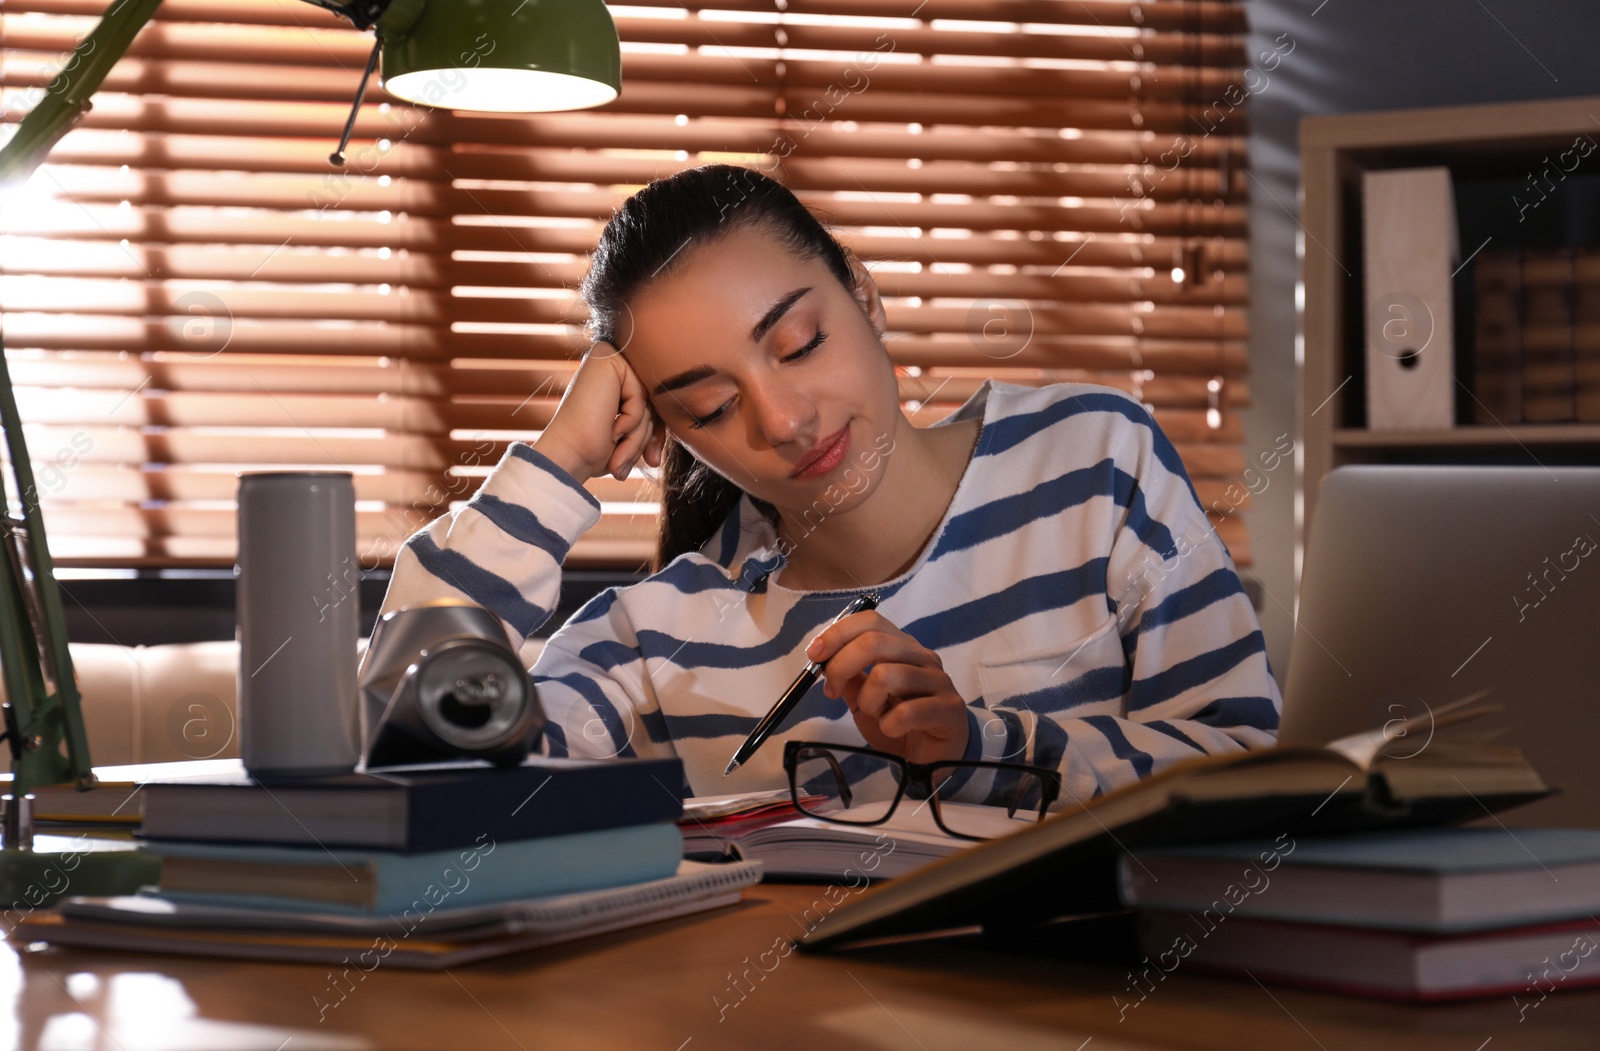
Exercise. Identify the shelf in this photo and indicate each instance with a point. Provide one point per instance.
(1482, 145)
(1472, 130)
(1510, 435)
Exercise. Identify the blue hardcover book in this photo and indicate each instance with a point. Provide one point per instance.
(417, 809)
(379, 882)
(1433, 880)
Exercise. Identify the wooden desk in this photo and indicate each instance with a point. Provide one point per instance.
(653, 989)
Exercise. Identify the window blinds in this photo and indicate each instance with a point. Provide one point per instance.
(1044, 189)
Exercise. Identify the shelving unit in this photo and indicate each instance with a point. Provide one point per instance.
(1541, 434)
(1501, 141)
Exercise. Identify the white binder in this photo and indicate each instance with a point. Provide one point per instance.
(1410, 249)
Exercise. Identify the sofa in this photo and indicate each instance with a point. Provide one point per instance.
(167, 703)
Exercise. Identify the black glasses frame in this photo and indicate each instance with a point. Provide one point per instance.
(917, 775)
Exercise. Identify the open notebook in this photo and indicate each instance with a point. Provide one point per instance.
(806, 848)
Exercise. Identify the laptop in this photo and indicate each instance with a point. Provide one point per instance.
(1423, 584)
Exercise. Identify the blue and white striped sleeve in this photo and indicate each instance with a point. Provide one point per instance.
(503, 551)
(1192, 678)
(598, 698)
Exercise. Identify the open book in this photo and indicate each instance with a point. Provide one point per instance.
(806, 848)
(1066, 865)
(767, 827)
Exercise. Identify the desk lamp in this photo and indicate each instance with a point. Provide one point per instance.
(499, 55)
(523, 56)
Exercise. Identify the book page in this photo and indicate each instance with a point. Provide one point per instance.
(1364, 749)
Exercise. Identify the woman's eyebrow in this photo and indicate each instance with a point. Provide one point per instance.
(686, 378)
(773, 315)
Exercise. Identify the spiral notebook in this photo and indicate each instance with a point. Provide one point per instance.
(432, 941)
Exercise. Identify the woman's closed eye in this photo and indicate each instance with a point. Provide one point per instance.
(698, 422)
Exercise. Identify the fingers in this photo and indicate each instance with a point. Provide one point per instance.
(634, 408)
(892, 684)
(909, 710)
(637, 431)
(629, 446)
(872, 645)
(940, 717)
(831, 639)
(656, 447)
(887, 686)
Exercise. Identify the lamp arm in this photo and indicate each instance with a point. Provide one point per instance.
(363, 14)
(66, 97)
(41, 688)
(43, 717)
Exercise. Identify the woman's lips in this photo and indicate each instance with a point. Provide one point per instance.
(835, 446)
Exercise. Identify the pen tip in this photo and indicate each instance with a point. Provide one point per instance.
(732, 766)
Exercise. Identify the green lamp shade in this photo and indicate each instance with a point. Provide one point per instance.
(510, 56)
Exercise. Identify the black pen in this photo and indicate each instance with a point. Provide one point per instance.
(797, 689)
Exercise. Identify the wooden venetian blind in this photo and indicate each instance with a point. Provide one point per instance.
(1045, 189)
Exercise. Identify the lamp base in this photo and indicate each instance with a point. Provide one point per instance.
(54, 867)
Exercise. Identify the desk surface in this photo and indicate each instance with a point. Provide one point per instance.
(658, 988)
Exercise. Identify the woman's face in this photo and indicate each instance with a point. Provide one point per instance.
(757, 360)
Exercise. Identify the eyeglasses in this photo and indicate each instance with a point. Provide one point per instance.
(862, 786)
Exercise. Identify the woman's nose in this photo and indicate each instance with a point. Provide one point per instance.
(784, 413)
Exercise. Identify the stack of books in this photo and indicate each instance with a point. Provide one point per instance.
(446, 861)
(1052, 873)
(1536, 352)
(1416, 915)
(115, 800)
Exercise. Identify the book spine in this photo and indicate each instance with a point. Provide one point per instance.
(410, 887)
(1586, 332)
(1548, 378)
(426, 814)
(608, 795)
(1497, 350)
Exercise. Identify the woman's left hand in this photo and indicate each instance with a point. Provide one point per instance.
(896, 688)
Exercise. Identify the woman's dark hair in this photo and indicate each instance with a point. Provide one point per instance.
(646, 239)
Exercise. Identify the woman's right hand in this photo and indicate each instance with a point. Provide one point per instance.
(605, 422)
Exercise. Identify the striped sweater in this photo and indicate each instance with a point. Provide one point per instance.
(1074, 591)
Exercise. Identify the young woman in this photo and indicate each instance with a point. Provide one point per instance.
(1052, 593)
